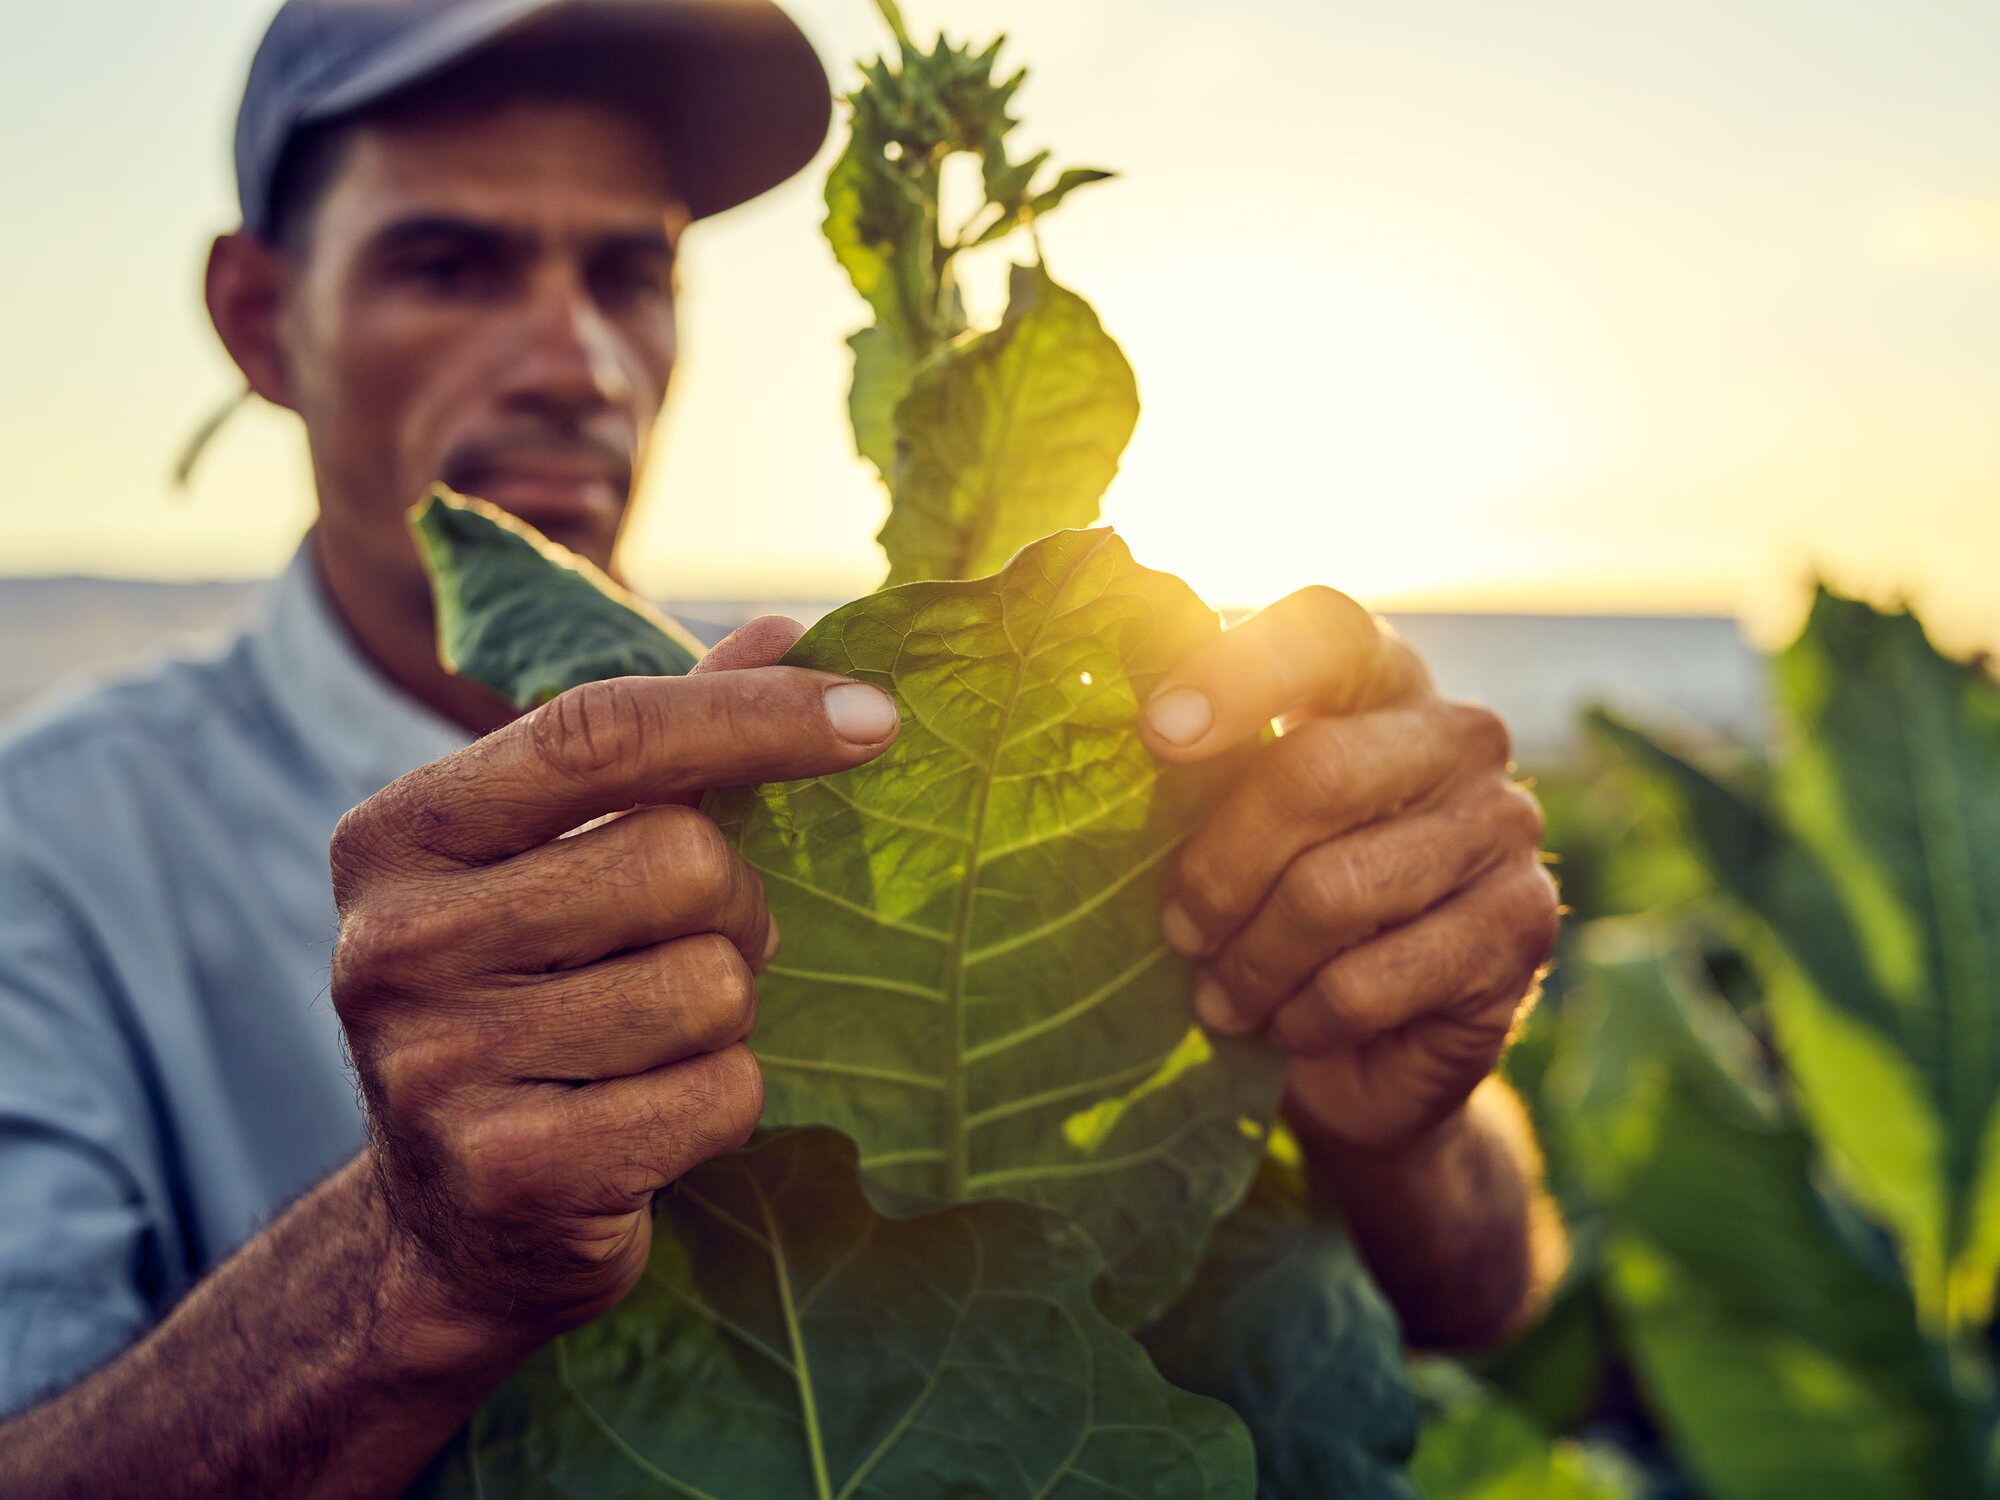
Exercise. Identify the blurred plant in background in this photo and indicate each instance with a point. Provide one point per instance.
(1765, 1075)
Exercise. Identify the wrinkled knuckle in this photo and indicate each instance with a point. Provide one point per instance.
(721, 1101)
(355, 852)
(740, 1094)
(1248, 978)
(728, 995)
(704, 864)
(411, 1081)
(1334, 996)
(1313, 759)
(587, 731)
(1483, 733)
(1299, 1030)
(1322, 889)
(1329, 612)
(706, 962)
(1316, 770)
(1522, 818)
(1367, 1010)
(1534, 913)
(1202, 885)
(377, 950)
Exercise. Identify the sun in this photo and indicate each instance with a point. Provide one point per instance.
(1319, 423)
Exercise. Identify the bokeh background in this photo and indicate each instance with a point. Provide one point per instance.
(1550, 308)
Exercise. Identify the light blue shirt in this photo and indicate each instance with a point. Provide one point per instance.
(171, 1072)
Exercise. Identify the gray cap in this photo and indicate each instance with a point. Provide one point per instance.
(736, 90)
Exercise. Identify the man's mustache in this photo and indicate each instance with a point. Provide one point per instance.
(465, 468)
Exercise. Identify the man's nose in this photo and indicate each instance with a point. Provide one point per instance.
(568, 364)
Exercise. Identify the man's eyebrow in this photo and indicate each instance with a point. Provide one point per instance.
(654, 242)
(414, 229)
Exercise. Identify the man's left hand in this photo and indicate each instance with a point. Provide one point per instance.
(1371, 893)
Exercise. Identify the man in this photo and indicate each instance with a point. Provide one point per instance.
(457, 263)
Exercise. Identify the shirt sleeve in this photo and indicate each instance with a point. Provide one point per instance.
(82, 1256)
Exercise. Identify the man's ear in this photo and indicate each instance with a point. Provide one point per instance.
(245, 286)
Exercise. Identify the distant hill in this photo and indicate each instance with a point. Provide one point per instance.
(1539, 671)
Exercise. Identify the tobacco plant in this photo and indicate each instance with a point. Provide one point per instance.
(1803, 1237)
(995, 1147)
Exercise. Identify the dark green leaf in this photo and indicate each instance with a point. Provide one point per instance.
(1284, 1324)
(528, 619)
(883, 364)
(794, 1340)
(973, 983)
(1783, 1361)
(1008, 435)
(879, 223)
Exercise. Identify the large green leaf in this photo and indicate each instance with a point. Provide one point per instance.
(1776, 1342)
(1284, 1323)
(1007, 435)
(528, 619)
(794, 1340)
(973, 983)
(1894, 777)
(1862, 1046)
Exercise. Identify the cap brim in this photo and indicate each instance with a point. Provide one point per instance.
(737, 91)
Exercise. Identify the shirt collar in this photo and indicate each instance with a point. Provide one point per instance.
(365, 729)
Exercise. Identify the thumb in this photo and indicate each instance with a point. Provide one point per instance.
(761, 643)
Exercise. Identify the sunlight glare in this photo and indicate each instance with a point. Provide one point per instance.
(1318, 422)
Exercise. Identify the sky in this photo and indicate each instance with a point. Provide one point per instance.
(1554, 306)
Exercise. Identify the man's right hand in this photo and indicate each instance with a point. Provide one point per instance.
(548, 1030)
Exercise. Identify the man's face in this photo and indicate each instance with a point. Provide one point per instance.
(485, 299)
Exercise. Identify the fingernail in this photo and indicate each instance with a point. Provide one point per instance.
(1213, 1007)
(1180, 931)
(770, 937)
(860, 713)
(1182, 716)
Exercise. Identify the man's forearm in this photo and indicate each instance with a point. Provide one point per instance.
(311, 1364)
(1457, 1228)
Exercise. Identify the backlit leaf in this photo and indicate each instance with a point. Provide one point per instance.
(972, 983)
(1008, 435)
(883, 365)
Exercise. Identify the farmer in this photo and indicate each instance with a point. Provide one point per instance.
(222, 1273)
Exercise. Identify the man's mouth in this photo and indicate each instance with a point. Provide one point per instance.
(549, 490)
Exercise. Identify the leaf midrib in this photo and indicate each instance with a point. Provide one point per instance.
(795, 1335)
(957, 1167)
